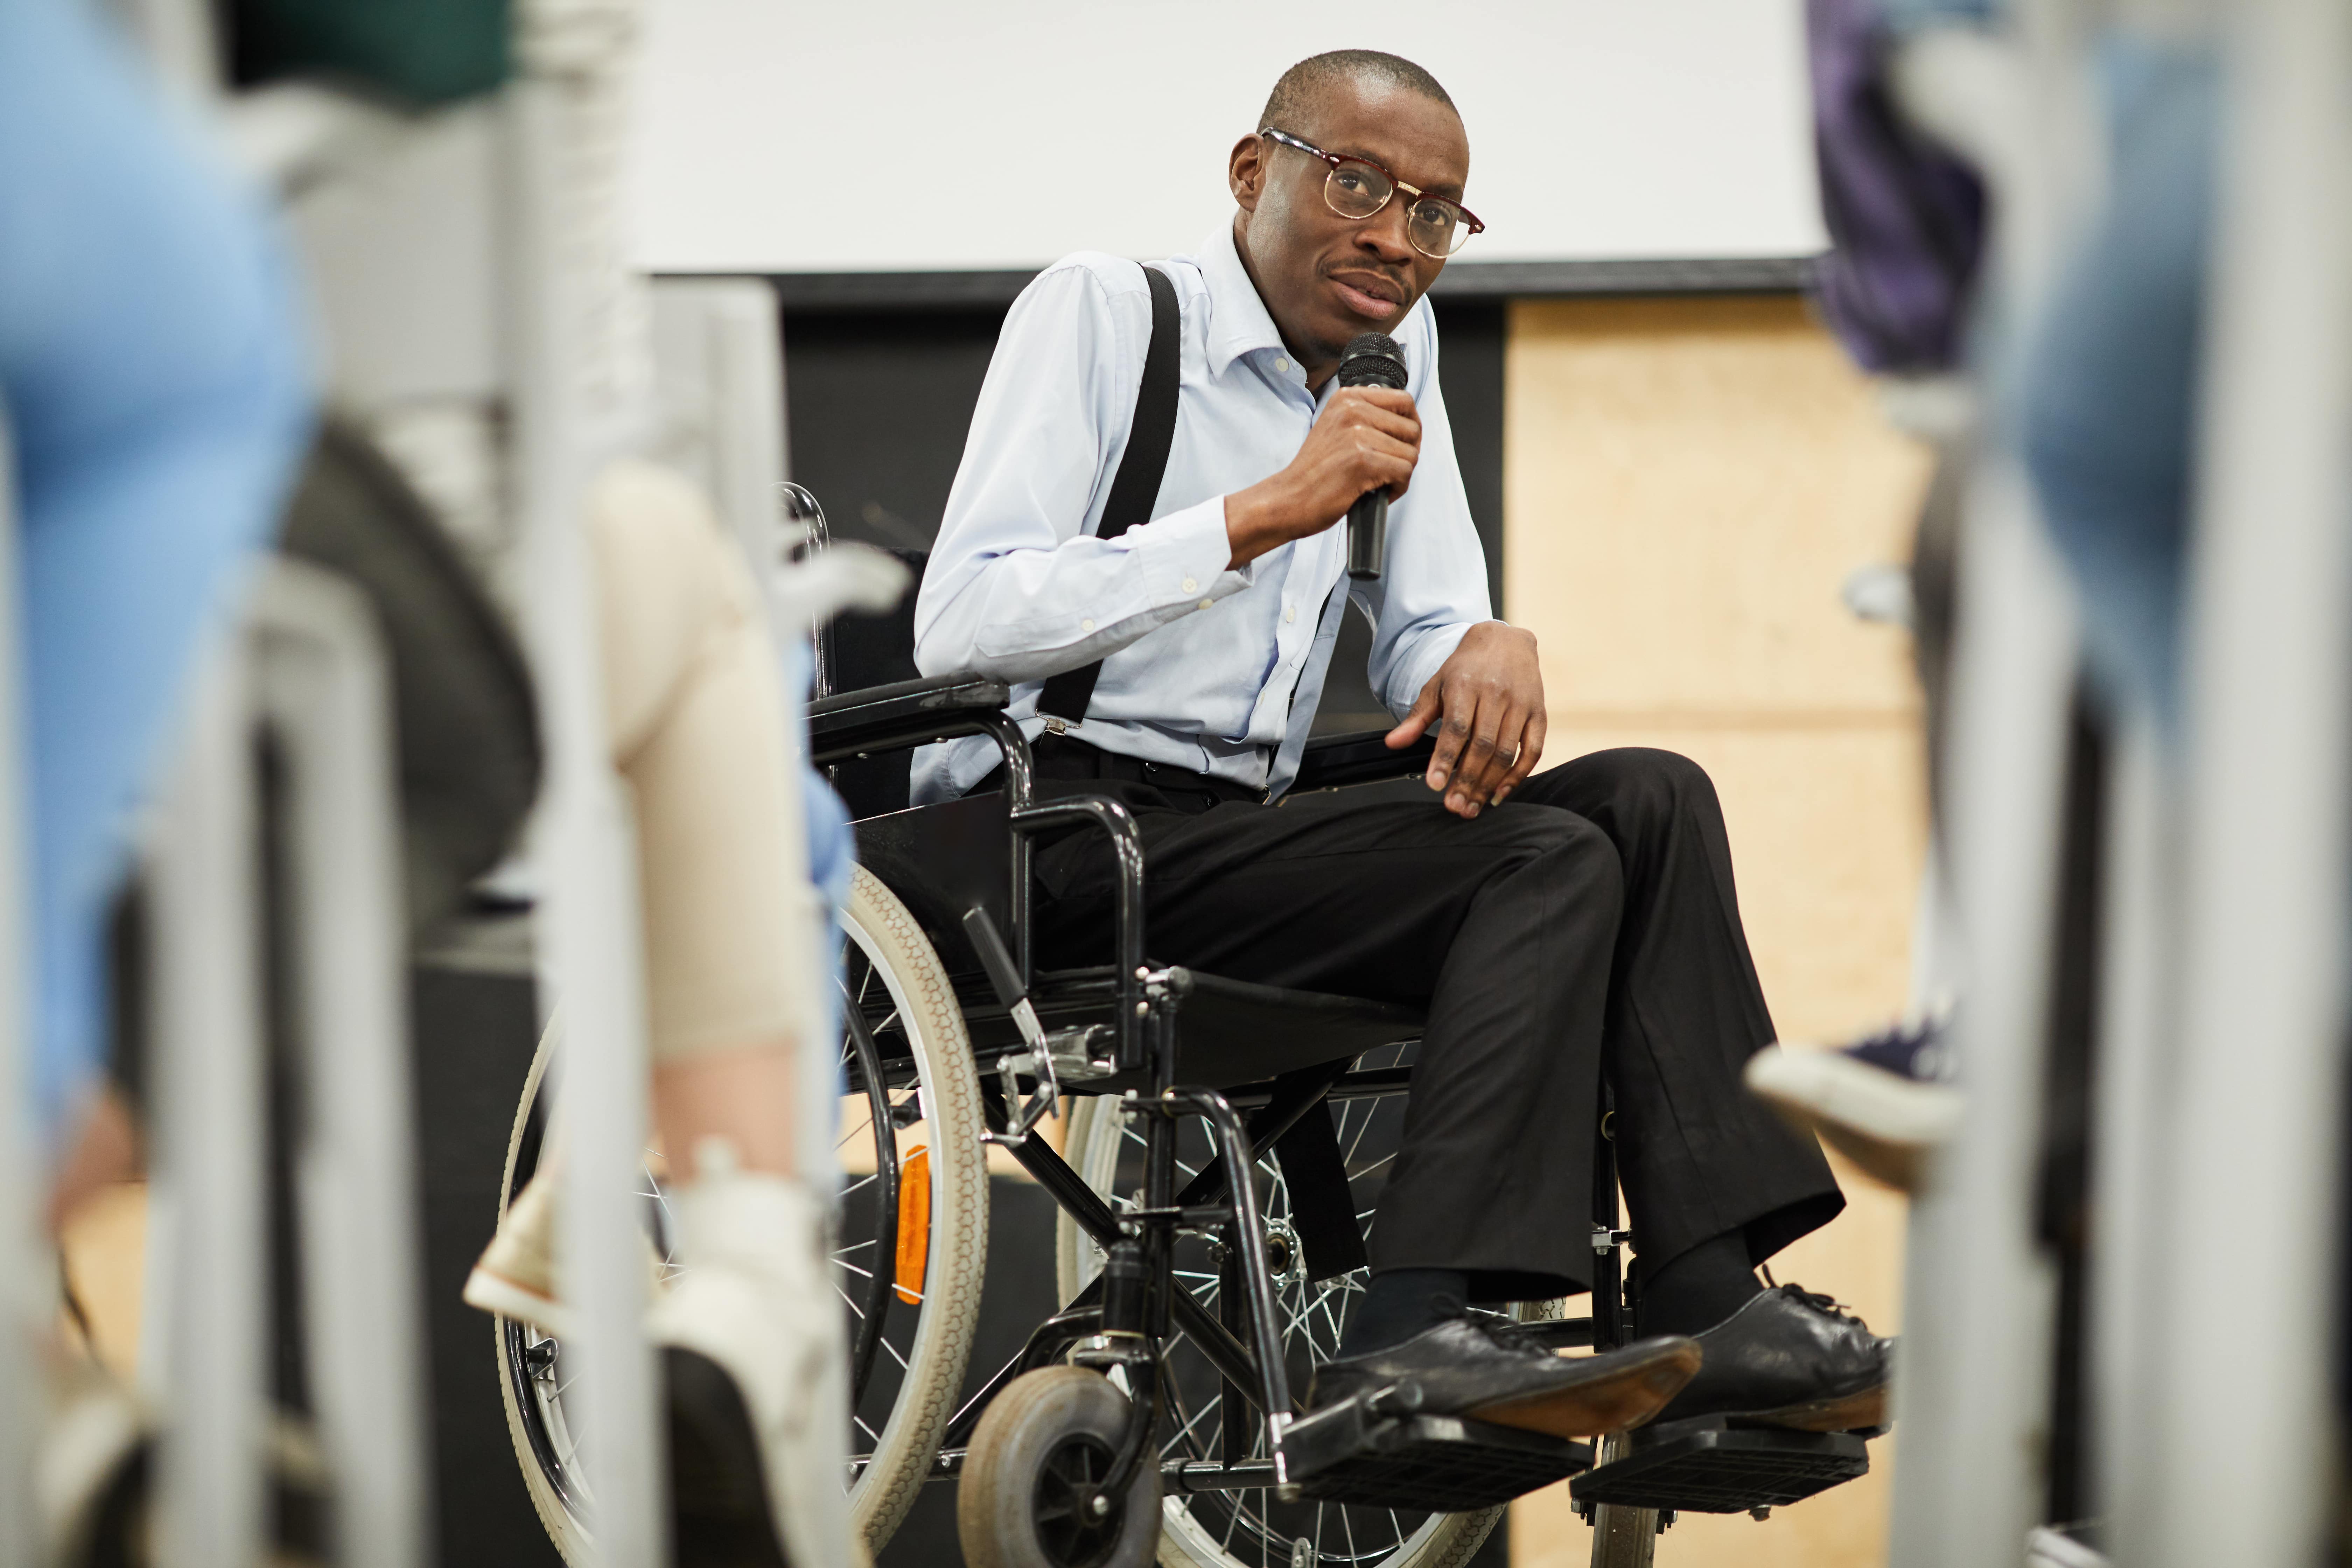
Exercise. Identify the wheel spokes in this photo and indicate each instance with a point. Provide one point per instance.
(1253, 1527)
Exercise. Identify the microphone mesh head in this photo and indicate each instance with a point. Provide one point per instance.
(1372, 359)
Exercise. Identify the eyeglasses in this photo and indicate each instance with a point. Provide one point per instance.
(1357, 189)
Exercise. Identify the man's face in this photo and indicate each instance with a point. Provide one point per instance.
(1325, 278)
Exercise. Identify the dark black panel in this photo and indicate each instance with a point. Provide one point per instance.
(1470, 340)
(476, 1030)
(1594, 279)
(1460, 281)
(798, 291)
(877, 404)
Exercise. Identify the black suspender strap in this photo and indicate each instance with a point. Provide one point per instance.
(1136, 486)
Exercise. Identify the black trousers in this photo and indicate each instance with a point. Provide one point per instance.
(1588, 925)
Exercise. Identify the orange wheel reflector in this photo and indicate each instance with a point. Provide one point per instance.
(914, 1224)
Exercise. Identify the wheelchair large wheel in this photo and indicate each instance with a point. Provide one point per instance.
(910, 1328)
(1255, 1529)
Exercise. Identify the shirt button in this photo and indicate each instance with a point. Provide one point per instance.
(1206, 602)
(1282, 364)
(1289, 614)
(1085, 626)
(1190, 587)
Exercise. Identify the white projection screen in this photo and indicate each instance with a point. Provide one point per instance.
(916, 135)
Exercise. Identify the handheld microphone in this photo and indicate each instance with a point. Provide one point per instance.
(1370, 359)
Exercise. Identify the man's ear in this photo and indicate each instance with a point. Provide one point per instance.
(1245, 171)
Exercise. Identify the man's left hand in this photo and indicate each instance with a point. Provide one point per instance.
(1487, 704)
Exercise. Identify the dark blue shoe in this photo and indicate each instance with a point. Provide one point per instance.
(1913, 1051)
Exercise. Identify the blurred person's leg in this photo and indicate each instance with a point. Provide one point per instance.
(696, 711)
(2110, 382)
(2109, 411)
(151, 367)
(752, 1339)
(1884, 1102)
(152, 386)
(697, 706)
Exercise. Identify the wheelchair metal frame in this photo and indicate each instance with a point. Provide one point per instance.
(1123, 1318)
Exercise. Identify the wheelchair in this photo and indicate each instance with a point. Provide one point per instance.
(1224, 1149)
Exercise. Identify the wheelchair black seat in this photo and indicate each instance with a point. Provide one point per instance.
(944, 859)
(1236, 1032)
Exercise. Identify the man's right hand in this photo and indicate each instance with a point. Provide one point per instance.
(1367, 437)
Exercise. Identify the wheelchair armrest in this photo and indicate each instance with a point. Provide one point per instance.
(1113, 820)
(1361, 757)
(905, 713)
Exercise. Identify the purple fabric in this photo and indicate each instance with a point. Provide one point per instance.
(1905, 218)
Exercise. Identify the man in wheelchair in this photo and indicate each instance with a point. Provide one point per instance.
(1159, 580)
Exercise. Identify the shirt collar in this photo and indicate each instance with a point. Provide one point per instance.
(1238, 321)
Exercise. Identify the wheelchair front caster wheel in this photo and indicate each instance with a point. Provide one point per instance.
(1033, 1462)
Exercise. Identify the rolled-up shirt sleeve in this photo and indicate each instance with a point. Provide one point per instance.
(1018, 587)
(1434, 587)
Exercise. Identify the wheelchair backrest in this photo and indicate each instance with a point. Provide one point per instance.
(941, 861)
(859, 651)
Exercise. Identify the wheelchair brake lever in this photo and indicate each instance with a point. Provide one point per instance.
(1021, 1115)
(1005, 978)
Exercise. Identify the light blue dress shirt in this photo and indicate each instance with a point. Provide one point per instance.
(1214, 670)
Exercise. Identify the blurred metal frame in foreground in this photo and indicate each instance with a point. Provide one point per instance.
(310, 670)
(2240, 1465)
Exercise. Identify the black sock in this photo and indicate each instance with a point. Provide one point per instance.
(1699, 1288)
(1401, 1304)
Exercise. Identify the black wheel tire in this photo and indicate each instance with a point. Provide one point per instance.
(1047, 1428)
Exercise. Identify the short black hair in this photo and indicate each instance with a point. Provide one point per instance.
(1304, 82)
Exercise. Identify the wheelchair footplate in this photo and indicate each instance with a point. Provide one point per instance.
(1709, 1464)
(1378, 1451)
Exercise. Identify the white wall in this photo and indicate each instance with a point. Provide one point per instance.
(842, 135)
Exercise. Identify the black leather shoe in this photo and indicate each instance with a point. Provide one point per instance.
(1791, 1358)
(1463, 1367)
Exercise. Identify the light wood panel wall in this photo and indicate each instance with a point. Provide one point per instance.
(1688, 483)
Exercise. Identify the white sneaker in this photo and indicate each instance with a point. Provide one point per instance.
(756, 1365)
(514, 1275)
(1878, 1102)
(518, 1276)
(94, 1477)
(89, 1462)
(2048, 1549)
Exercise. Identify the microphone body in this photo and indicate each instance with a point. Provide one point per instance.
(1372, 359)
(1368, 535)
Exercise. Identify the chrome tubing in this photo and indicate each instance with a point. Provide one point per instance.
(211, 1135)
(322, 682)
